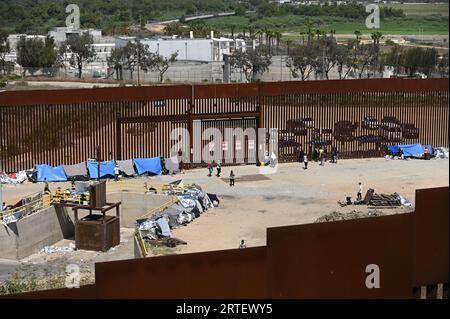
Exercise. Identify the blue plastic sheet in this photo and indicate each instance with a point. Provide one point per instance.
(106, 169)
(52, 174)
(148, 165)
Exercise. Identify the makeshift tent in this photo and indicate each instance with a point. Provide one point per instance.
(172, 164)
(106, 169)
(76, 171)
(410, 150)
(52, 174)
(126, 167)
(413, 150)
(148, 165)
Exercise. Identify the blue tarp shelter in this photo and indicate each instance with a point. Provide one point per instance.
(52, 174)
(148, 165)
(106, 169)
(410, 150)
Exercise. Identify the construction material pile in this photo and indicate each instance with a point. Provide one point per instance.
(190, 203)
(373, 199)
(336, 216)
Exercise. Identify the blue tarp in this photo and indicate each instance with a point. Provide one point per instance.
(52, 174)
(148, 165)
(410, 150)
(106, 168)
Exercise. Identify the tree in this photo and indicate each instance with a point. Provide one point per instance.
(134, 54)
(82, 50)
(116, 62)
(49, 56)
(394, 58)
(251, 63)
(4, 49)
(443, 66)
(325, 50)
(156, 62)
(301, 60)
(173, 28)
(29, 52)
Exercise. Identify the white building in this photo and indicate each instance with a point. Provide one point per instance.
(60, 34)
(203, 50)
(13, 39)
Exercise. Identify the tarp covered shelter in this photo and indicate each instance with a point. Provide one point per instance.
(148, 165)
(410, 150)
(126, 167)
(106, 169)
(52, 174)
(76, 171)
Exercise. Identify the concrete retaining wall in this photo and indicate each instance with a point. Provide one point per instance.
(47, 227)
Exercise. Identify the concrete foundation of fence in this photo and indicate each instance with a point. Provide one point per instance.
(44, 228)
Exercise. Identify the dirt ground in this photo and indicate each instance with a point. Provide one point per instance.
(292, 195)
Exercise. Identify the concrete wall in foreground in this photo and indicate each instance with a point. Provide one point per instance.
(47, 227)
(34, 232)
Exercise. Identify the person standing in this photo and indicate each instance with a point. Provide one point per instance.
(231, 178)
(219, 169)
(209, 169)
(360, 190)
(242, 244)
(116, 172)
(321, 155)
(301, 155)
(426, 153)
(305, 161)
(334, 154)
(46, 187)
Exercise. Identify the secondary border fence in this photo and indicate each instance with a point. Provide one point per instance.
(358, 117)
(319, 260)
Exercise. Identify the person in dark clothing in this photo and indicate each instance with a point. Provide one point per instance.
(315, 155)
(301, 155)
(334, 155)
(210, 169)
(232, 178)
(219, 169)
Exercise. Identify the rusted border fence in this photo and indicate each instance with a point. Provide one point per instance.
(64, 126)
(322, 260)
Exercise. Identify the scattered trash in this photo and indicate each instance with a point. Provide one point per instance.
(54, 249)
(441, 152)
(192, 202)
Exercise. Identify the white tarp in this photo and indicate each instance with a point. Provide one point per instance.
(126, 167)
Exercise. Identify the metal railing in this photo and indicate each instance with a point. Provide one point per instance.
(28, 208)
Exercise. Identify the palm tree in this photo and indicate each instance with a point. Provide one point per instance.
(288, 45)
(278, 35)
(309, 27)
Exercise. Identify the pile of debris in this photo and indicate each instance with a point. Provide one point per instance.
(441, 152)
(354, 214)
(192, 202)
(373, 199)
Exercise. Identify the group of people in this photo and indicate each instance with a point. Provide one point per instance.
(319, 154)
(219, 170)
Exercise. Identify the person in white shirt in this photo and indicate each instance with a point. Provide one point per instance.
(305, 161)
(116, 172)
(360, 190)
